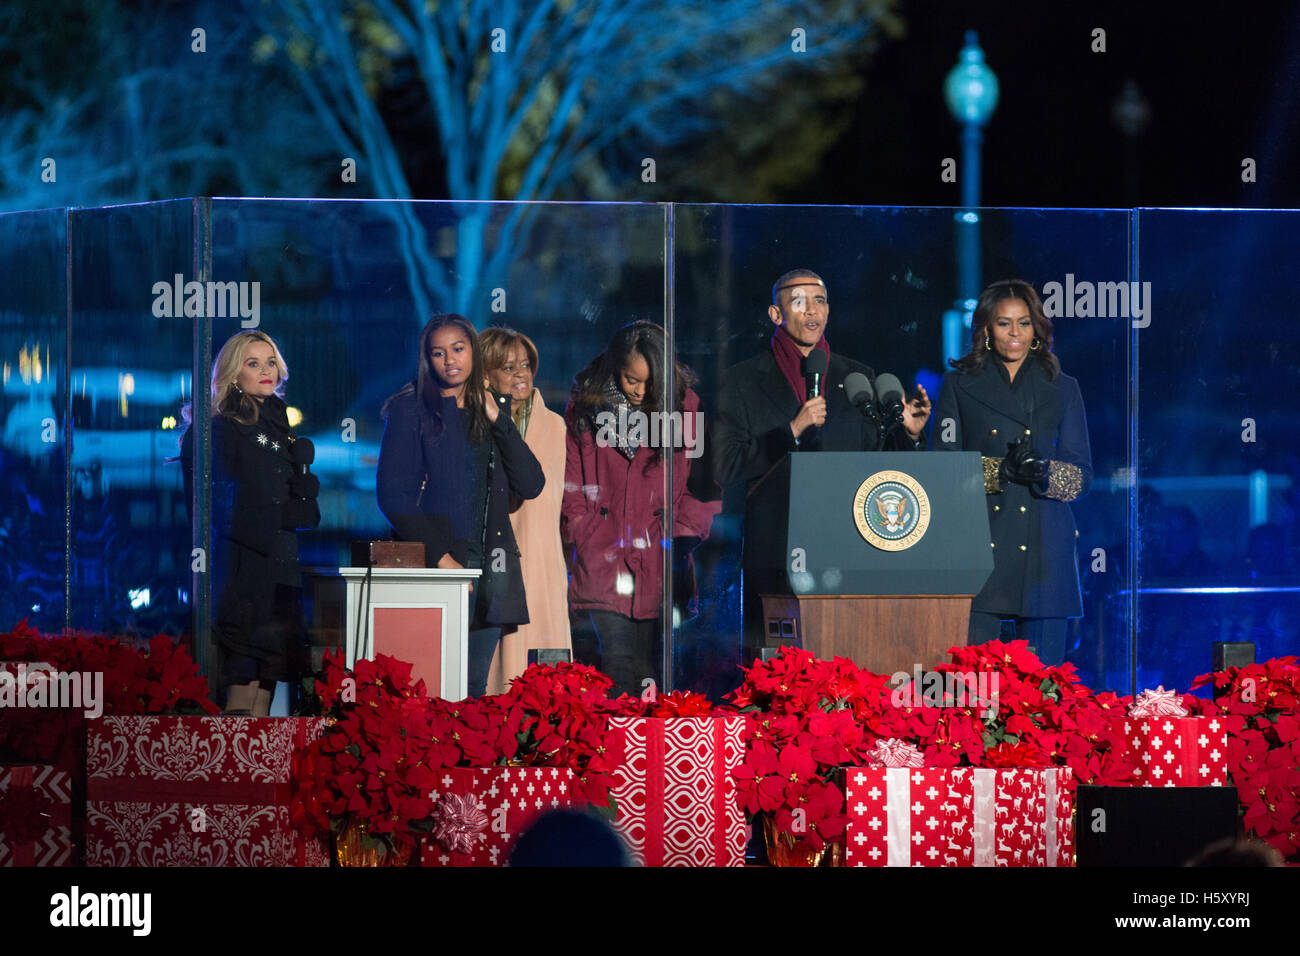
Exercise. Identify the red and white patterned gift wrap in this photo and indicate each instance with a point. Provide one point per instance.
(195, 791)
(1179, 751)
(47, 840)
(958, 816)
(481, 811)
(675, 792)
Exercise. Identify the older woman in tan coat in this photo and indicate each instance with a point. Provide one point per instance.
(510, 365)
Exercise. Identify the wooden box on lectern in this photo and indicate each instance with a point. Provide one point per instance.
(873, 556)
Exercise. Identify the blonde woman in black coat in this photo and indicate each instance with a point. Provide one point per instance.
(262, 495)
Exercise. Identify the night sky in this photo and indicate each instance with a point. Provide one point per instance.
(1220, 81)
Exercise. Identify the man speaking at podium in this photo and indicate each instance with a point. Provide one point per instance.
(766, 410)
(793, 397)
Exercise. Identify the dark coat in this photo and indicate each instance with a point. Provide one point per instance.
(409, 452)
(254, 544)
(757, 405)
(1034, 567)
(613, 513)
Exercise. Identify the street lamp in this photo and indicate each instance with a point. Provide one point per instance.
(1131, 113)
(971, 91)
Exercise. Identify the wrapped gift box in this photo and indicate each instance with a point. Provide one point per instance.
(195, 791)
(1179, 751)
(481, 811)
(35, 822)
(958, 816)
(675, 792)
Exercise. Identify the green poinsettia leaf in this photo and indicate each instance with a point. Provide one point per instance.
(608, 811)
(371, 842)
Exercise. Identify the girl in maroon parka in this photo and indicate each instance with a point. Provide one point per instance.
(617, 436)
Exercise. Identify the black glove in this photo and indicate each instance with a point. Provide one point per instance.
(1024, 465)
(304, 486)
(299, 514)
(1009, 467)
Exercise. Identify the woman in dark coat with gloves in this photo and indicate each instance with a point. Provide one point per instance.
(613, 507)
(450, 460)
(1008, 399)
(262, 495)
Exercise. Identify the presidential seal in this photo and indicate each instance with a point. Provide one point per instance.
(891, 510)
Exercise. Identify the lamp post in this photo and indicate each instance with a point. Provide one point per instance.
(971, 91)
(1131, 113)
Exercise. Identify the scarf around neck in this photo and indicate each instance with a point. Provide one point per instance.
(790, 360)
(614, 398)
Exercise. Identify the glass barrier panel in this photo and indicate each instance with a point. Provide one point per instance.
(1219, 380)
(346, 289)
(130, 374)
(892, 283)
(33, 413)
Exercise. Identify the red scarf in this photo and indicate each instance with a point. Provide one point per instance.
(790, 361)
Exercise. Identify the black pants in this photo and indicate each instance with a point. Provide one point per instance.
(625, 649)
(1045, 635)
(483, 643)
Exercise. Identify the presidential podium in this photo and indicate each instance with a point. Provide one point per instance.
(873, 556)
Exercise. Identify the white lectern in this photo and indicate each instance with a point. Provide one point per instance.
(421, 615)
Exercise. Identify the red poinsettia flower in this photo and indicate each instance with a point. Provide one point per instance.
(678, 704)
(1015, 755)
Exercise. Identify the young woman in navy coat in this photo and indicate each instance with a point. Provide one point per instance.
(449, 462)
(1008, 399)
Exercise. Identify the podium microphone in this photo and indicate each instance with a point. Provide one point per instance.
(814, 368)
(858, 390)
(889, 391)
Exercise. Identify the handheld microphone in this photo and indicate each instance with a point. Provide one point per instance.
(814, 368)
(303, 452)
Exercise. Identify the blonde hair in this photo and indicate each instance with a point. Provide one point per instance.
(497, 342)
(227, 398)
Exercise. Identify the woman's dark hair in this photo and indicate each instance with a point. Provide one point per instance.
(1009, 289)
(426, 387)
(647, 340)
